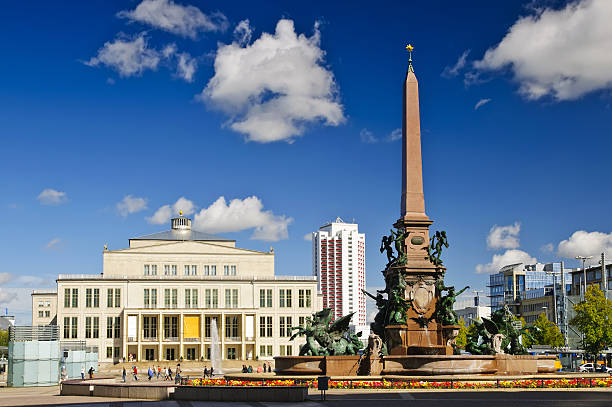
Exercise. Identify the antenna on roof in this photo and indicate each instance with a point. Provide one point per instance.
(339, 220)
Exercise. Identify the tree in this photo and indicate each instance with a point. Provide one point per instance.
(545, 332)
(527, 342)
(594, 320)
(461, 339)
(3, 337)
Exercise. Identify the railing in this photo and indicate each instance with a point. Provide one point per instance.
(132, 339)
(171, 338)
(150, 339)
(233, 338)
(191, 339)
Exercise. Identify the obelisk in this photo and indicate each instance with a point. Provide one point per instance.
(413, 218)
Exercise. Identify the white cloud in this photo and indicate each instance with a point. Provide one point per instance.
(395, 135)
(164, 213)
(5, 278)
(243, 214)
(450, 72)
(504, 237)
(243, 32)
(53, 243)
(511, 256)
(131, 204)
(273, 87)
(367, 137)
(186, 66)
(481, 103)
(564, 53)
(548, 248)
(186, 21)
(127, 56)
(51, 196)
(308, 237)
(7, 296)
(583, 243)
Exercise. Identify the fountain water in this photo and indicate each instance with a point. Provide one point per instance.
(215, 347)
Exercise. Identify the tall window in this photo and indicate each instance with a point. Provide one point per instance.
(117, 327)
(186, 270)
(194, 298)
(87, 327)
(66, 327)
(231, 327)
(232, 270)
(285, 326)
(153, 297)
(109, 327)
(166, 298)
(206, 270)
(194, 270)
(147, 297)
(149, 327)
(229, 270)
(207, 329)
(96, 298)
(170, 327)
(74, 326)
(187, 298)
(304, 298)
(88, 295)
(75, 298)
(174, 298)
(166, 269)
(66, 297)
(231, 298)
(265, 298)
(213, 270)
(96, 327)
(265, 327)
(117, 297)
(284, 298)
(231, 353)
(226, 270)
(173, 268)
(211, 298)
(147, 269)
(153, 269)
(109, 298)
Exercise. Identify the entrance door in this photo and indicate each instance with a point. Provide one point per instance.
(191, 353)
(169, 353)
(150, 354)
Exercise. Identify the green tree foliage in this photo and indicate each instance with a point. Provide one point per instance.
(527, 342)
(594, 320)
(3, 337)
(545, 332)
(461, 340)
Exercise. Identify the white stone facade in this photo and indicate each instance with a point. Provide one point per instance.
(156, 299)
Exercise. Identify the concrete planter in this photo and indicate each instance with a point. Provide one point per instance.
(316, 365)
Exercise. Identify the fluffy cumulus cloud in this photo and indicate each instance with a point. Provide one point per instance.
(129, 56)
(271, 89)
(186, 21)
(512, 256)
(481, 103)
(451, 71)
(243, 214)
(563, 53)
(186, 66)
(583, 243)
(243, 32)
(7, 296)
(131, 204)
(51, 196)
(504, 237)
(164, 213)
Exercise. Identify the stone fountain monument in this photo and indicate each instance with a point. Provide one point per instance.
(415, 329)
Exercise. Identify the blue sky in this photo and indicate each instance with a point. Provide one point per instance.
(292, 116)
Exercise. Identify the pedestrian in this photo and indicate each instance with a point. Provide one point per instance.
(83, 373)
(205, 372)
(135, 373)
(123, 373)
(150, 373)
(265, 368)
(212, 370)
(244, 369)
(63, 372)
(91, 372)
(158, 371)
(165, 373)
(269, 368)
(259, 369)
(169, 373)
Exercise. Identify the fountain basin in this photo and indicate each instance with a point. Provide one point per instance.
(317, 365)
(415, 365)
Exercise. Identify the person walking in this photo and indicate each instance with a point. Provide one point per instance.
(123, 374)
(83, 373)
(212, 370)
(158, 371)
(150, 373)
(135, 373)
(91, 372)
(169, 373)
(205, 372)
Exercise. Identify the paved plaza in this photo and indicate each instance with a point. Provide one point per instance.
(47, 396)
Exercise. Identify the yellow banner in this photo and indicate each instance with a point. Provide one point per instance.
(191, 327)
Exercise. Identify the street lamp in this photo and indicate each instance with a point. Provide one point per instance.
(584, 259)
(545, 308)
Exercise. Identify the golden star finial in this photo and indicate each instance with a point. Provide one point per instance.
(409, 48)
(180, 213)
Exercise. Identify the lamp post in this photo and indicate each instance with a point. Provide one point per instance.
(545, 308)
(584, 259)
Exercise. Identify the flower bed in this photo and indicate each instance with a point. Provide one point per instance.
(416, 384)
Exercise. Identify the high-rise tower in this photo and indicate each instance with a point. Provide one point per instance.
(338, 253)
